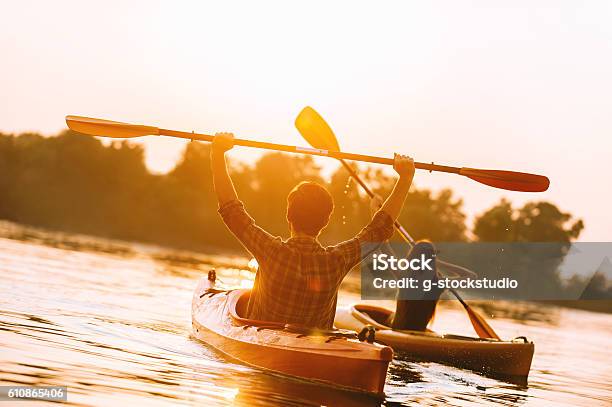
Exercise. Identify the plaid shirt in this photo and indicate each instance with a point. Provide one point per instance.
(298, 279)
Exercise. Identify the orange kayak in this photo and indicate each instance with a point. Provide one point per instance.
(511, 359)
(336, 358)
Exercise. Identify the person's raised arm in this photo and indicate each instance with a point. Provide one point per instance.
(256, 240)
(380, 227)
(224, 188)
(404, 166)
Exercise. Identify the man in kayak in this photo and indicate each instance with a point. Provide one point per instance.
(298, 279)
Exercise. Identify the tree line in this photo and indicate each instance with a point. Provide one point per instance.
(75, 183)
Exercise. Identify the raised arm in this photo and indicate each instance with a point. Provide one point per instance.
(404, 166)
(224, 187)
(256, 240)
(380, 227)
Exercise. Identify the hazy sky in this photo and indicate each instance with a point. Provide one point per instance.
(521, 85)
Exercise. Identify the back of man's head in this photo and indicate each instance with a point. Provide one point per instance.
(309, 206)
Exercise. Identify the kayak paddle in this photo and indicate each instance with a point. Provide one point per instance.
(513, 181)
(317, 133)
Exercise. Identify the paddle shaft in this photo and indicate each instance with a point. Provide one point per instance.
(308, 150)
(509, 180)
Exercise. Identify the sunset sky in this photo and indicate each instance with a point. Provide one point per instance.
(522, 85)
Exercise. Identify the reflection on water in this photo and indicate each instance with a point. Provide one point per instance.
(112, 322)
(520, 311)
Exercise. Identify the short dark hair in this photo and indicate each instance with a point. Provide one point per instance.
(309, 206)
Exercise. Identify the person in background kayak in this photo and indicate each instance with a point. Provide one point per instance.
(298, 279)
(415, 308)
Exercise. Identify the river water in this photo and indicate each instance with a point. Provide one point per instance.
(111, 321)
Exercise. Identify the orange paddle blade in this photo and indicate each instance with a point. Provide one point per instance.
(510, 180)
(315, 130)
(108, 128)
(481, 327)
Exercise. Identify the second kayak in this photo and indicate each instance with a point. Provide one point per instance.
(502, 358)
(332, 357)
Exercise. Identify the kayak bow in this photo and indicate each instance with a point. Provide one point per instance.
(331, 357)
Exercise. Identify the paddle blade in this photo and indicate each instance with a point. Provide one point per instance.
(108, 128)
(510, 180)
(315, 130)
(481, 327)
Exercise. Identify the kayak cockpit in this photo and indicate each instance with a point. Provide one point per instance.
(238, 305)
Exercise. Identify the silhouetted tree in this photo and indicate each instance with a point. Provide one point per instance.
(534, 222)
(536, 240)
